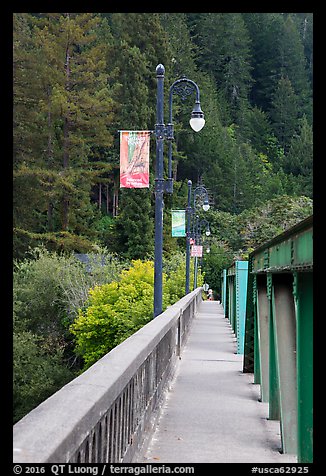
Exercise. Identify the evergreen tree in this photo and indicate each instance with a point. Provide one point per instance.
(293, 64)
(299, 161)
(278, 51)
(226, 52)
(137, 51)
(29, 140)
(258, 131)
(134, 225)
(72, 106)
(306, 31)
(304, 26)
(265, 33)
(182, 47)
(284, 112)
(187, 144)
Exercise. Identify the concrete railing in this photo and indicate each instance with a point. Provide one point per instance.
(104, 414)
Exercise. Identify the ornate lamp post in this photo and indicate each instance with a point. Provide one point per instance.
(199, 191)
(198, 238)
(182, 87)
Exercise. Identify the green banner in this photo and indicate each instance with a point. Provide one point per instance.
(178, 223)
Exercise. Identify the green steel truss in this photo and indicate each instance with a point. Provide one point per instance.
(278, 341)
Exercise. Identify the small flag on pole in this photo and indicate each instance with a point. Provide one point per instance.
(178, 223)
(134, 159)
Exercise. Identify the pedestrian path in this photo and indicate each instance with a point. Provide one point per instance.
(211, 413)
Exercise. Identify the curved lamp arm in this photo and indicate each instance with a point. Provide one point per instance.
(202, 191)
(184, 87)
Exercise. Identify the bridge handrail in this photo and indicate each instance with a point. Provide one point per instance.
(103, 414)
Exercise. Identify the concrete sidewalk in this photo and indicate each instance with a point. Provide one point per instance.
(212, 413)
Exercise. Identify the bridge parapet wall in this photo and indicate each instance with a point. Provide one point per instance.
(104, 414)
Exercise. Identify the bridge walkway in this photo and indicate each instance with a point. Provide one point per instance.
(212, 412)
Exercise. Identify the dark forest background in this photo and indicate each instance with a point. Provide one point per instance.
(81, 77)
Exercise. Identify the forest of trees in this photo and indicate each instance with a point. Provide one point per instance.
(79, 78)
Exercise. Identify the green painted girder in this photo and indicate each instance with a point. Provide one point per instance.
(237, 277)
(290, 253)
(250, 327)
(292, 250)
(303, 293)
(223, 288)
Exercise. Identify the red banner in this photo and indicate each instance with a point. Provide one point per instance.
(134, 159)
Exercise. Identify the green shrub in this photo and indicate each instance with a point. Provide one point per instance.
(50, 288)
(38, 371)
(114, 311)
(48, 291)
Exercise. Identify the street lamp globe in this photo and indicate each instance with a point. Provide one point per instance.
(208, 232)
(206, 206)
(197, 123)
(197, 120)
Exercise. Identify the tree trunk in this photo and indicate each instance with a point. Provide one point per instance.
(49, 162)
(65, 205)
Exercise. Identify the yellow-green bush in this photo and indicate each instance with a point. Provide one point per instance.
(116, 310)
